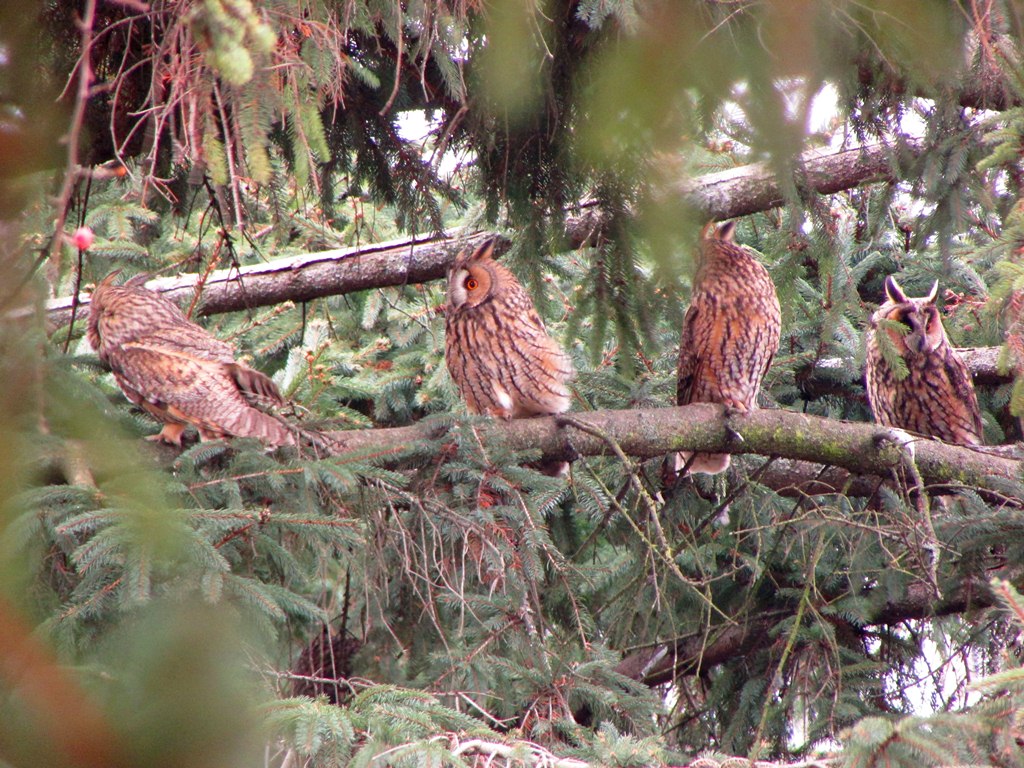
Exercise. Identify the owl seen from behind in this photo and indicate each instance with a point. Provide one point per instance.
(177, 371)
(730, 333)
(497, 350)
(936, 397)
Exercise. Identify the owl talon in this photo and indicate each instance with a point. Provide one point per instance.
(170, 434)
(732, 437)
(571, 453)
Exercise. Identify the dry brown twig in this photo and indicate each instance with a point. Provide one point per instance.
(72, 171)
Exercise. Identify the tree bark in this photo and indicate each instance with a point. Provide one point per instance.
(404, 261)
(857, 448)
(727, 194)
(753, 188)
(983, 362)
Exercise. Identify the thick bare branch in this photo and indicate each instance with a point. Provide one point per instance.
(302, 278)
(753, 188)
(723, 195)
(859, 449)
(983, 362)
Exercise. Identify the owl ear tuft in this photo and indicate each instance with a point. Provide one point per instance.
(893, 292)
(138, 280)
(933, 293)
(712, 231)
(486, 250)
(107, 281)
(483, 251)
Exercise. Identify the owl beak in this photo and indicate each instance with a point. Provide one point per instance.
(916, 342)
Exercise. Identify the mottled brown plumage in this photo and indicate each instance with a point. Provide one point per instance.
(730, 332)
(177, 371)
(497, 350)
(936, 397)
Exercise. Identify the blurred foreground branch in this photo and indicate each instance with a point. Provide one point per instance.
(71, 725)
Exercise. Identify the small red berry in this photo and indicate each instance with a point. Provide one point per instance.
(82, 239)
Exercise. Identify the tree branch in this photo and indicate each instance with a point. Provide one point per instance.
(857, 448)
(303, 278)
(983, 364)
(695, 653)
(736, 192)
(754, 188)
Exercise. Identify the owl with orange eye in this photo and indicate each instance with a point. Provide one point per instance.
(497, 350)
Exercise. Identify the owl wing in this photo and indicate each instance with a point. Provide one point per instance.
(557, 361)
(257, 388)
(879, 381)
(965, 407)
(176, 385)
(189, 337)
(551, 387)
(690, 362)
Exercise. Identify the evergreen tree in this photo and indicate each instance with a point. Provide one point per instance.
(410, 590)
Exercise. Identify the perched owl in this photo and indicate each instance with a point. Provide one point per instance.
(730, 333)
(497, 351)
(936, 397)
(177, 371)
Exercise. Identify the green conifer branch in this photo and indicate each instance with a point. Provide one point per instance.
(691, 653)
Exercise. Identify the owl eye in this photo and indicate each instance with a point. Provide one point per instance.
(472, 284)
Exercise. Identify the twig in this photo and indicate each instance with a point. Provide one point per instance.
(71, 174)
(229, 154)
(78, 270)
(398, 63)
(931, 545)
(664, 551)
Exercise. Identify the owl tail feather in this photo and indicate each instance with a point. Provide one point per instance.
(708, 463)
(251, 422)
(257, 388)
(552, 468)
(270, 429)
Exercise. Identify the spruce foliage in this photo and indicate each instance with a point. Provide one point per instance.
(455, 606)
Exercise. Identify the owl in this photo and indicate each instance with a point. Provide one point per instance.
(177, 371)
(496, 348)
(936, 397)
(730, 333)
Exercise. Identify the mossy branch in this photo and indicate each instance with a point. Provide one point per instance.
(856, 449)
